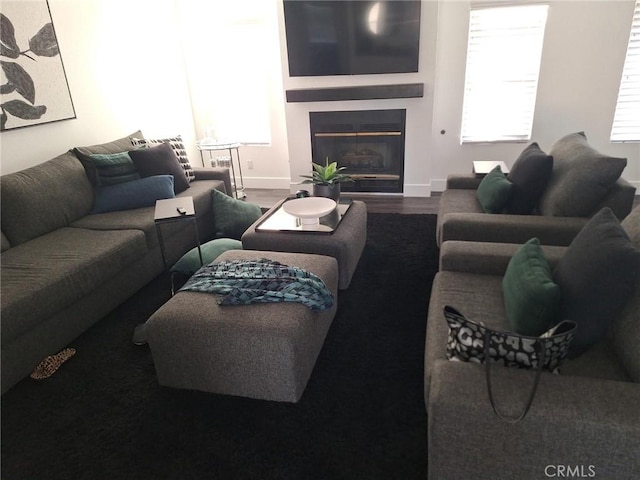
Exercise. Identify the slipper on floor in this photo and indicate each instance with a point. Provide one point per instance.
(52, 363)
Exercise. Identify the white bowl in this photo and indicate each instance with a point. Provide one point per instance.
(309, 209)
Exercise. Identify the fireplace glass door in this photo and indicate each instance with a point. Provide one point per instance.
(369, 144)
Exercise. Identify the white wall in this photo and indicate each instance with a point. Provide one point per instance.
(124, 64)
(206, 30)
(584, 49)
(125, 72)
(418, 121)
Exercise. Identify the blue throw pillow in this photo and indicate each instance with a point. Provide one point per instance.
(530, 176)
(136, 194)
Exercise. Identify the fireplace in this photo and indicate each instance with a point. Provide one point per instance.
(368, 143)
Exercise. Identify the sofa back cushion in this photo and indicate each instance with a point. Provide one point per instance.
(530, 175)
(626, 327)
(580, 179)
(597, 276)
(123, 144)
(43, 198)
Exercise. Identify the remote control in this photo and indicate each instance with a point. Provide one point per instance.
(181, 211)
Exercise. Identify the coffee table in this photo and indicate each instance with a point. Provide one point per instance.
(341, 234)
(278, 220)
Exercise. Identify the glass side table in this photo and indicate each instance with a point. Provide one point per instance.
(208, 145)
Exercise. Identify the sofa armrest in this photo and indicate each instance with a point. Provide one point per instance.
(208, 173)
(580, 422)
(464, 181)
(619, 199)
(486, 227)
(486, 258)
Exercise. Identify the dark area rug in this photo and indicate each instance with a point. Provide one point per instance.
(362, 416)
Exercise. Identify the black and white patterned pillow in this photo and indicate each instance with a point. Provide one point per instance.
(178, 147)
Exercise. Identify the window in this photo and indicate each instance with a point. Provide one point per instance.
(626, 122)
(503, 63)
(229, 49)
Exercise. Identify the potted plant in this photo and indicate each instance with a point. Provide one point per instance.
(326, 179)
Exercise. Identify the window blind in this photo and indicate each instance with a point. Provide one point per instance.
(501, 79)
(626, 122)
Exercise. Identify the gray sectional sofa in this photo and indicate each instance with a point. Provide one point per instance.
(585, 419)
(62, 269)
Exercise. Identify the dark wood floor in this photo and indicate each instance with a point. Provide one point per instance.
(375, 203)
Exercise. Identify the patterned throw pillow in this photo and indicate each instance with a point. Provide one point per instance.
(178, 147)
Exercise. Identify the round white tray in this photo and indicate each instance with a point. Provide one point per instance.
(309, 209)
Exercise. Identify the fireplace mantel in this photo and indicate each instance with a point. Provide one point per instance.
(364, 92)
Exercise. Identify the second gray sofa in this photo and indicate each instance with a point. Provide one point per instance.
(585, 418)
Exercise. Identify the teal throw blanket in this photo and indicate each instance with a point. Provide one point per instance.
(243, 282)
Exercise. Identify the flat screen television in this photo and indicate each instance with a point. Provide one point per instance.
(352, 37)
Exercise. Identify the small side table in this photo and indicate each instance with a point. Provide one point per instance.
(214, 145)
(481, 168)
(169, 210)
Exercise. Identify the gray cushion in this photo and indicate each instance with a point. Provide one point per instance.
(160, 160)
(42, 277)
(50, 195)
(626, 327)
(530, 176)
(176, 144)
(597, 276)
(262, 351)
(142, 218)
(581, 178)
(123, 144)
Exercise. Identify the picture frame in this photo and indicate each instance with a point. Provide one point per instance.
(33, 86)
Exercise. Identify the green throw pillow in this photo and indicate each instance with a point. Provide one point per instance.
(190, 261)
(232, 216)
(531, 297)
(494, 191)
(104, 169)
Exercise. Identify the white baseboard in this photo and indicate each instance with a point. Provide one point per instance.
(438, 185)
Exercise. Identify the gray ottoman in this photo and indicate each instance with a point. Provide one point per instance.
(264, 351)
(345, 244)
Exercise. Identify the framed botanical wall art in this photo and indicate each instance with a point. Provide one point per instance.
(33, 83)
